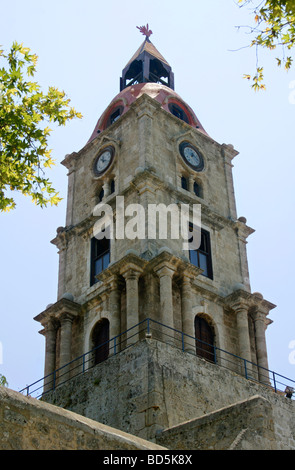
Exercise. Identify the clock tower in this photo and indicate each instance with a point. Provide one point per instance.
(130, 284)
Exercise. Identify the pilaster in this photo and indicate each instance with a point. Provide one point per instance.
(50, 352)
(131, 275)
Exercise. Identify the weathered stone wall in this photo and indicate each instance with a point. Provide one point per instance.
(28, 424)
(247, 425)
(153, 386)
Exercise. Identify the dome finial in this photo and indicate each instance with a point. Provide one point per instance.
(145, 30)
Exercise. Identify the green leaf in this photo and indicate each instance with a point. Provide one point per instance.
(24, 110)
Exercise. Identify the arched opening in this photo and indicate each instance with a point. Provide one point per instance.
(204, 336)
(178, 112)
(158, 72)
(134, 73)
(100, 341)
(114, 115)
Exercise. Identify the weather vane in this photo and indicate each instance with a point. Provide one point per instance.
(145, 30)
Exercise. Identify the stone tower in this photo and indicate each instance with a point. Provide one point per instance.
(149, 150)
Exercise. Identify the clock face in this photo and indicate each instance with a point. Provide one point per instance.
(103, 160)
(191, 156)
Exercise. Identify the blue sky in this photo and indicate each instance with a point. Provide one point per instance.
(82, 49)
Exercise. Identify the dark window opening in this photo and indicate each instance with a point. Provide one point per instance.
(202, 256)
(101, 195)
(184, 183)
(112, 186)
(204, 336)
(198, 189)
(134, 74)
(158, 72)
(100, 341)
(115, 115)
(100, 257)
(178, 112)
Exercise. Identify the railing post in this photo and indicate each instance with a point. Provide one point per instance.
(54, 379)
(245, 367)
(214, 349)
(148, 326)
(182, 340)
(274, 382)
(83, 364)
(115, 346)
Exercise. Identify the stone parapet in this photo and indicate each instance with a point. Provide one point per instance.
(30, 424)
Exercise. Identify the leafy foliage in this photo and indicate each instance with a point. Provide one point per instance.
(3, 381)
(25, 112)
(274, 27)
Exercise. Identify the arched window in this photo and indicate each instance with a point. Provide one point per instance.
(100, 338)
(204, 335)
(178, 112)
(115, 114)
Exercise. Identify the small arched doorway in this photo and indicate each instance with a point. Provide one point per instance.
(204, 336)
(100, 341)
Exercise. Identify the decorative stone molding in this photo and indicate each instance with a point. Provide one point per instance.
(57, 310)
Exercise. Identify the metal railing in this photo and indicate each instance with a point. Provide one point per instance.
(149, 328)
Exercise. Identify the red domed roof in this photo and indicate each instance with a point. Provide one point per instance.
(169, 100)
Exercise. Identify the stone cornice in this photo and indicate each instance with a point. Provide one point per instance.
(144, 180)
(130, 260)
(253, 301)
(229, 152)
(82, 228)
(57, 310)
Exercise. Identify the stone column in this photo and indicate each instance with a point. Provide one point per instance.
(131, 276)
(261, 350)
(241, 310)
(165, 273)
(50, 354)
(191, 182)
(66, 321)
(115, 313)
(106, 188)
(187, 314)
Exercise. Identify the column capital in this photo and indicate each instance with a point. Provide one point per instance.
(113, 282)
(51, 324)
(131, 272)
(255, 302)
(66, 317)
(238, 299)
(165, 269)
(165, 263)
(189, 272)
